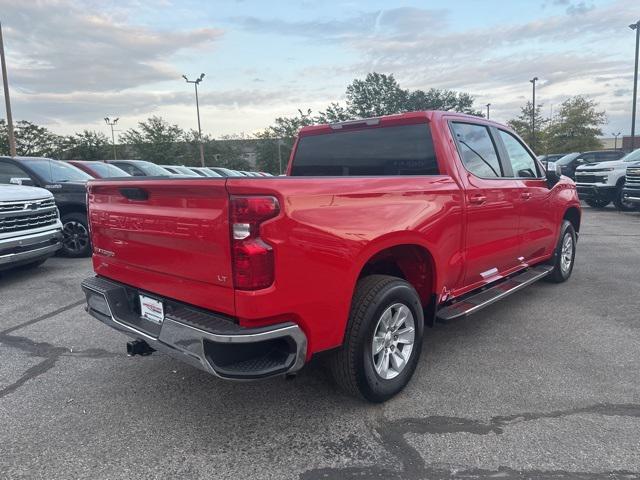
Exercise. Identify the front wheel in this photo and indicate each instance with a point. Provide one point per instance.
(597, 202)
(620, 202)
(75, 232)
(565, 254)
(383, 339)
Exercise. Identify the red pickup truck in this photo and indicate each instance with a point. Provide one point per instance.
(381, 227)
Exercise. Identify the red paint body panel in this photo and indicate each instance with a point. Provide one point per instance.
(177, 243)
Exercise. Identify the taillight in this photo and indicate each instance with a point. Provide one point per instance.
(253, 263)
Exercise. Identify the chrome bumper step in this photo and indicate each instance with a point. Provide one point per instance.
(474, 302)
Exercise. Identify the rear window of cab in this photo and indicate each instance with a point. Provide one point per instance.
(382, 151)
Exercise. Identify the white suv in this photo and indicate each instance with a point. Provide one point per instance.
(601, 183)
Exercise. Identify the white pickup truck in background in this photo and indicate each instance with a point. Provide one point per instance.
(30, 228)
(601, 183)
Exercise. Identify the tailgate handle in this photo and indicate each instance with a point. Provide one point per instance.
(134, 193)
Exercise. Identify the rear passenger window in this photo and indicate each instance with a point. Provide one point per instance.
(402, 150)
(477, 150)
(522, 162)
(9, 171)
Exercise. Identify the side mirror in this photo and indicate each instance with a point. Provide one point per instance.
(22, 181)
(554, 172)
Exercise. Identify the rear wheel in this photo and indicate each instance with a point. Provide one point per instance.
(597, 202)
(383, 339)
(75, 232)
(565, 254)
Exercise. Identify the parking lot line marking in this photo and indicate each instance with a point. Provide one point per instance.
(43, 317)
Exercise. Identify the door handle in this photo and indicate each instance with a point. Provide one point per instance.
(477, 199)
(526, 195)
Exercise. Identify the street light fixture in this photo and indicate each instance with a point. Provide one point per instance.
(488, 106)
(636, 27)
(533, 114)
(615, 140)
(7, 102)
(195, 84)
(111, 123)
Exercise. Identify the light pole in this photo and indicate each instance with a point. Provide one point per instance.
(533, 114)
(111, 123)
(195, 84)
(7, 102)
(488, 106)
(615, 140)
(636, 27)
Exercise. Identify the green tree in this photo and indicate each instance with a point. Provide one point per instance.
(88, 145)
(522, 126)
(576, 126)
(378, 94)
(435, 99)
(4, 137)
(35, 141)
(157, 141)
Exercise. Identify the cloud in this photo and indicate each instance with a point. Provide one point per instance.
(400, 21)
(59, 46)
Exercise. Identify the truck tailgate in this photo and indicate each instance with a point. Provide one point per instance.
(170, 237)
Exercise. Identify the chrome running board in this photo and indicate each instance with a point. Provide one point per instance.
(477, 301)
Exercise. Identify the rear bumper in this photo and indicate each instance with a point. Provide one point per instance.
(586, 191)
(205, 340)
(26, 248)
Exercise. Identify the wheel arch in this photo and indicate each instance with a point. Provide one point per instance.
(572, 214)
(67, 208)
(410, 261)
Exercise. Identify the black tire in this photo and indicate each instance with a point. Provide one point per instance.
(561, 272)
(353, 364)
(76, 242)
(597, 202)
(620, 203)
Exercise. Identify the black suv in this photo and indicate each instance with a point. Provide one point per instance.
(570, 162)
(68, 186)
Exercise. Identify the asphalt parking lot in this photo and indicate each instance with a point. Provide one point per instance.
(543, 385)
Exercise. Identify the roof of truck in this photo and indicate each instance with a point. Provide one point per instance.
(391, 120)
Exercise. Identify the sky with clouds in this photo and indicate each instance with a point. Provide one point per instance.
(73, 62)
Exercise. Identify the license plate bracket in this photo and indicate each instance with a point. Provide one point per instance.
(151, 309)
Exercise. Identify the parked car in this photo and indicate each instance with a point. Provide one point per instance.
(224, 172)
(602, 183)
(571, 161)
(631, 190)
(141, 168)
(387, 225)
(98, 169)
(68, 186)
(30, 228)
(550, 157)
(205, 172)
(180, 170)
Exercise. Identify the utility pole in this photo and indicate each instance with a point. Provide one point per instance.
(636, 27)
(280, 155)
(111, 123)
(195, 84)
(488, 106)
(533, 114)
(7, 101)
(615, 140)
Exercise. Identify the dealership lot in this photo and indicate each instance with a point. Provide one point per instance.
(543, 384)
